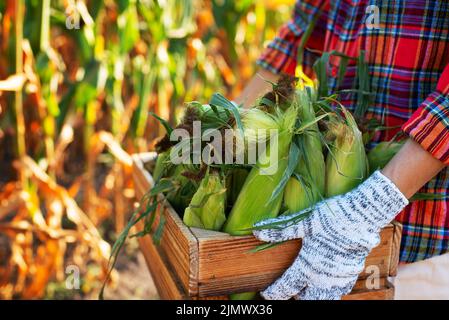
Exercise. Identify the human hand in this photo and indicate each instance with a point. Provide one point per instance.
(337, 236)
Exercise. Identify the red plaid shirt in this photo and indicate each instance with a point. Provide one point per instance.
(408, 57)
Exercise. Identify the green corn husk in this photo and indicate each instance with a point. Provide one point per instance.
(234, 183)
(207, 208)
(255, 123)
(185, 189)
(302, 194)
(212, 118)
(346, 163)
(243, 296)
(253, 203)
(381, 154)
(298, 195)
(161, 165)
(257, 126)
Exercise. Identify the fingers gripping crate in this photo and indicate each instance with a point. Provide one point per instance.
(191, 263)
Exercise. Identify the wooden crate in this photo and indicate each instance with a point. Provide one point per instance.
(191, 263)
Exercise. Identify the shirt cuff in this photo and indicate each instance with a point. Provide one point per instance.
(429, 126)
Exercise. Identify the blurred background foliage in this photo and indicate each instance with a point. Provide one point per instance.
(77, 82)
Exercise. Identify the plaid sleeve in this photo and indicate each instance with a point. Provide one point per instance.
(429, 125)
(280, 55)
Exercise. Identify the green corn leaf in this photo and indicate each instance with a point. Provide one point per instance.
(342, 70)
(267, 102)
(305, 37)
(320, 68)
(151, 206)
(294, 218)
(164, 122)
(128, 23)
(265, 246)
(220, 101)
(159, 230)
(293, 158)
(163, 185)
(364, 95)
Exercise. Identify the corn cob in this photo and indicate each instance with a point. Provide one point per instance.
(207, 208)
(381, 154)
(298, 195)
(253, 204)
(302, 194)
(234, 184)
(160, 166)
(185, 189)
(256, 130)
(346, 163)
(257, 125)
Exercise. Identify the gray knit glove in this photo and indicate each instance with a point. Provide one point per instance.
(337, 236)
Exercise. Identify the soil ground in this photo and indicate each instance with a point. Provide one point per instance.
(135, 280)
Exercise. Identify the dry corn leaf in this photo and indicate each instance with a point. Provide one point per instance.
(45, 263)
(13, 83)
(11, 203)
(73, 211)
(115, 148)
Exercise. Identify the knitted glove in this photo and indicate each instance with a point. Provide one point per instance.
(337, 236)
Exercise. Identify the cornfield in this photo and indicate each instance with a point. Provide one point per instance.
(79, 80)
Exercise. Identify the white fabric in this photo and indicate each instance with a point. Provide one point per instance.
(423, 280)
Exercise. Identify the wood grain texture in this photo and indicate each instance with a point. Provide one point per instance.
(380, 256)
(226, 263)
(384, 292)
(177, 242)
(170, 289)
(396, 247)
(210, 264)
(167, 284)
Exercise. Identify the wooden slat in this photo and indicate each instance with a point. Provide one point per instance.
(167, 284)
(226, 263)
(395, 248)
(380, 294)
(381, 255)
(366, 284)
(385, 292)
(169, 287)
(177, 241)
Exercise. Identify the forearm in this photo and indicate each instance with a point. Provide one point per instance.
(257, 87)
(411, 168)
